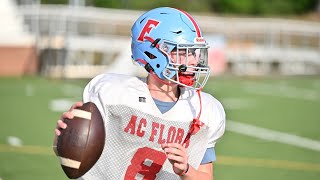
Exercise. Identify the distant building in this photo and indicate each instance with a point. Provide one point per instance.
(17, 46)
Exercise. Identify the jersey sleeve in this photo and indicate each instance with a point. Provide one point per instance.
(92, 90)
(209, 156)
(217, 123)
(102, 89)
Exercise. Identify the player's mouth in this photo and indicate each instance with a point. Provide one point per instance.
(187, 78)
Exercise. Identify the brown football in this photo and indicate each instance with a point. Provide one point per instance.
(80, 145)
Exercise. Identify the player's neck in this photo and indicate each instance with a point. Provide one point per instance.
(163, 92)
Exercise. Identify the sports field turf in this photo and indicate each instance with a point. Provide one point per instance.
(283, 106)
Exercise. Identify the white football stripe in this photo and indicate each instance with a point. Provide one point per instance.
(81, 114)
(272, 135)
(69, 162)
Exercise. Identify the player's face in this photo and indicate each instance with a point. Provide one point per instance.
(183, 56)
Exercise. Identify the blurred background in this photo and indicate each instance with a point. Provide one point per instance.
(265, 60)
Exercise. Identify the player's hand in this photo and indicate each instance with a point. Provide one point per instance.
(177, 156)
(68, 115)
(62, 125)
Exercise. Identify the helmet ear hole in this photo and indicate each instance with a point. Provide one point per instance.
(158, 65)
(151, 56)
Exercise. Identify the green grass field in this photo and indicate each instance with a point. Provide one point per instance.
(283, 104)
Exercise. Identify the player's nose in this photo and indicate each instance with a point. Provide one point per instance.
(192, 61)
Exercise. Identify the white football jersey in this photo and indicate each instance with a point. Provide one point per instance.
(135, 128)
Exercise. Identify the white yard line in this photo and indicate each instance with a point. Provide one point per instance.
(238, 103)
(60, 105)
(29, 90)
(72, 90)
(272, 135)
(282, 90)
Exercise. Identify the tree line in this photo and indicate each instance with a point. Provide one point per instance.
(232, 7)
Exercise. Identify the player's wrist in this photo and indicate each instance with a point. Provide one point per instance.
(185, 171)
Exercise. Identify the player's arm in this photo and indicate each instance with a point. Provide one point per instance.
(205, 170)
(61, 124)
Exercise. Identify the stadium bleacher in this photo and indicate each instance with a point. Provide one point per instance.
(71, 37)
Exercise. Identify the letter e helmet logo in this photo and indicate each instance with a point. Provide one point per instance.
(151, 23)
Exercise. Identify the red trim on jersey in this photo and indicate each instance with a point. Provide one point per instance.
(193, 22)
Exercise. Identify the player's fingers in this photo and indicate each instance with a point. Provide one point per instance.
(181, 166)
(164, 145)
(75, 105)
(177, 146)
(174, 151)
(177, 159)
(61, 124)
(68, 115)
(57, 132)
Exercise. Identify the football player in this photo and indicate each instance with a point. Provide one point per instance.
(162, 126)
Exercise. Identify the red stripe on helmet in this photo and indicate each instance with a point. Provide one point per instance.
(193, 22)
